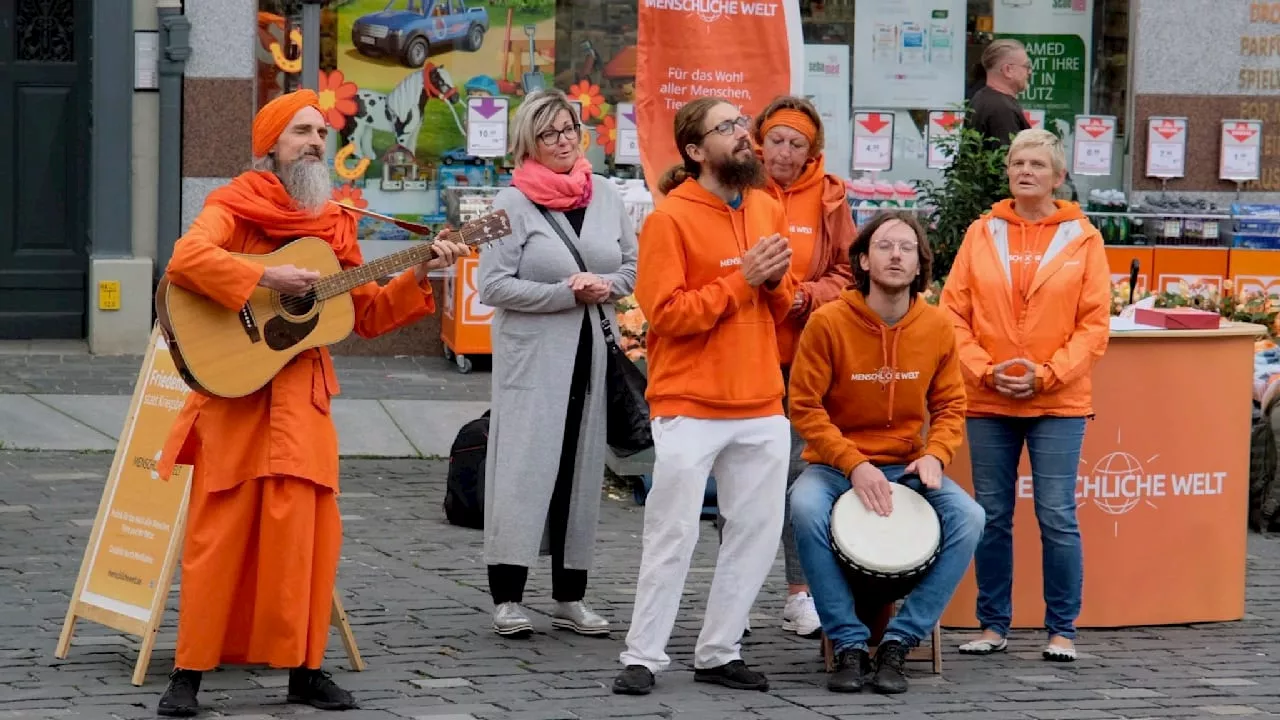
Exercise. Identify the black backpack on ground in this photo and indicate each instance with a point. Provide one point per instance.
(464, 486)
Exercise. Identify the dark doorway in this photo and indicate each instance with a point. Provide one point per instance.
(44, 167)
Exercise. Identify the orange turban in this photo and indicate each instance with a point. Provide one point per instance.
(274, 117)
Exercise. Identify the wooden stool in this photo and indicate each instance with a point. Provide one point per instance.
(876, 621)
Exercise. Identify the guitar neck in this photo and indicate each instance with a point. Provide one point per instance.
(348, 280)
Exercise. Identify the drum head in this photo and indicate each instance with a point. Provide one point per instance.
(903, 541)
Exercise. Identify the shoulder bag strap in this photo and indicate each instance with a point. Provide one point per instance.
(604, 321)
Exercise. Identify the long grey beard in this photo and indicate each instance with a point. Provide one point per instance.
(308, 184)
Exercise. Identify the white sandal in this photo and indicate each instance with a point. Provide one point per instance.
(1054, 653)
(984, 646)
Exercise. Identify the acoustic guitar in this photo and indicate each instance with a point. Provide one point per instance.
(227, 353)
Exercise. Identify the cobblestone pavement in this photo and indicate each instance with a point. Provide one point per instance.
(415, 591)
(361, 377)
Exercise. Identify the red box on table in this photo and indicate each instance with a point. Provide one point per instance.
(1178, 318)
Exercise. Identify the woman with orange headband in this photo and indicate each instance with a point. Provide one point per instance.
(789, 135)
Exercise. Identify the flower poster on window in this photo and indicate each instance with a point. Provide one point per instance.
(396, 79)
(746, 52)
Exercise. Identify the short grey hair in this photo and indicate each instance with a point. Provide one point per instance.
(534, 116)
(1036, 138)
(998, 52)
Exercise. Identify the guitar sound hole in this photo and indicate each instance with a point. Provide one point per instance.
(297, 305)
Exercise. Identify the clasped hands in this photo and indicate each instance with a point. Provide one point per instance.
(1018, 387)
(590, 289)
(293, 280)
(767, 261)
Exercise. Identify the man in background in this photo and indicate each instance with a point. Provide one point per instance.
(994, 109)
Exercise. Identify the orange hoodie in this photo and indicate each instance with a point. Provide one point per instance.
(821, 230)
(861, 390)
(1061, 321)
(712, 348)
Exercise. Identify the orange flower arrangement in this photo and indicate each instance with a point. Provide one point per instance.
(607, 133)
(337, 98)
(588, 94)
(634, 328)
(351, 196)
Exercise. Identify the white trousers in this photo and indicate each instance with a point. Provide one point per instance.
(749, 461)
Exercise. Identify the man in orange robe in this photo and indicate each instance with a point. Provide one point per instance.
(263, 531)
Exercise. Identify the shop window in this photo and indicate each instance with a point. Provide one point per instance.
(395, 78)
(1079, 49)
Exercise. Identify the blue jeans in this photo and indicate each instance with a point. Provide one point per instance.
(813, 496)
(995, 446)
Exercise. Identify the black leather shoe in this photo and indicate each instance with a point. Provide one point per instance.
(891, 676)
(734, 674)
(633, 680)
(179, 699)
(317, 689)
(853, 667)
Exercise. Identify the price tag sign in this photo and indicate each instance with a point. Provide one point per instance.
(1166, 147)
(942, 125)
(1241, 150)
(1095, 139)
(1035, 117)
(627, 148)
(873, 141)
(487, 126)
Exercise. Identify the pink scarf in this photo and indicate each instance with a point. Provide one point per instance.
(553, 190)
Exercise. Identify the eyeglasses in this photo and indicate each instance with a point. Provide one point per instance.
(552, 137)
(906, 247)
(729, 126)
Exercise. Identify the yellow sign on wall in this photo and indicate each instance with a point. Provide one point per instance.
(109, 295)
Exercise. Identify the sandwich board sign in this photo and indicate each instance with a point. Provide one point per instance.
(133, 550)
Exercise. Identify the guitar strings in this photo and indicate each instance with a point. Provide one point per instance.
(297, 304)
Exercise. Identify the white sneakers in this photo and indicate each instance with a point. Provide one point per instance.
(800, 616)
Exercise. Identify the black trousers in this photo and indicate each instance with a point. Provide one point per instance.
(506, 582)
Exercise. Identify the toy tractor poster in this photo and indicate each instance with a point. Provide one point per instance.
(405, 69)
(395, 77)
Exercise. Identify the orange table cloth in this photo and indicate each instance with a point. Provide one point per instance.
(1163, 491)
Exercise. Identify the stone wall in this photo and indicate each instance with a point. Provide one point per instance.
(1208, 60)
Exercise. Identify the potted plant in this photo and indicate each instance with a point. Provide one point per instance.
(970, 185)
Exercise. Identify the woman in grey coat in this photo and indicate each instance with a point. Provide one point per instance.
(545, 461)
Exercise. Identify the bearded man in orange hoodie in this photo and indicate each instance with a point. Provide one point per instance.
(713, 281)
(871, 369)
(263, 533)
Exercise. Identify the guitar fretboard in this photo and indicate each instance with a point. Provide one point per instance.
(348, 280)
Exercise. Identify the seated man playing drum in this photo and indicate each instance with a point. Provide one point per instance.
(871, 368)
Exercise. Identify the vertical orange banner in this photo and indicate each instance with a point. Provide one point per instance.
(745, 51)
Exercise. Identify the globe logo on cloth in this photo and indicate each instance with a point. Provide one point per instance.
(709, 11)
(884, 375)
(1113, 469)
(1118, 482)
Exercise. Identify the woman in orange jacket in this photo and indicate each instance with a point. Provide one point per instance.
(1029, 293)
(820, 226)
